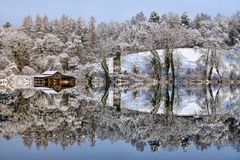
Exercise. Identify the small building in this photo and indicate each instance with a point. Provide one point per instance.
(54, 80)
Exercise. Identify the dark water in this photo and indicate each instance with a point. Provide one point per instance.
(138, 122)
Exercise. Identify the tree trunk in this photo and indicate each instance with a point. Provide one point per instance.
(107, 80)
(158, 66)
(217, 67)
(172, 99)
(167, 100)
(106, 70)
(157, 99)
(207, 64)
(167, 66)
(210, 73)
(117, 65)
(172, 65)
(220, 78)
(169, 103)
(117, 99)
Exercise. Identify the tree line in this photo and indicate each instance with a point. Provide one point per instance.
(91, 42)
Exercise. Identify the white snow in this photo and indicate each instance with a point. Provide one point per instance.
(189, 53)
(110, 65)
(49, 72)
(49, 91)
(142, 60)
(45, 75)
(22, 82)
(190, 109)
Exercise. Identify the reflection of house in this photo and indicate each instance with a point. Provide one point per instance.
(3, 81)
(54, 80)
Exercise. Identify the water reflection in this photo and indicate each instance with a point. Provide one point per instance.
(154, 115)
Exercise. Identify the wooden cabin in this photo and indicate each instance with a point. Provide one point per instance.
(54, 80)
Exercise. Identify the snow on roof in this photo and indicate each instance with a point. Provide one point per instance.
(49, 91)
(49, 72)
(46, 75)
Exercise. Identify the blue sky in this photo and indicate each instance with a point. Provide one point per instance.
(107, 10)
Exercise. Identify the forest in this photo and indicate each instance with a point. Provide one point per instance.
(130, 102)
(40, 44)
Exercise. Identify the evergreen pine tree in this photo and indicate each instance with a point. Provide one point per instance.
(27, 25)
(185, 19)
(7, 25)
(154, 17)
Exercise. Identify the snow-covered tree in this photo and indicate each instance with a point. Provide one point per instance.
(45, 25)
(154, 17)
(222, 22)
(214, 39)
(79, 27)
(17, 45)
(185, 19)
(52, 44)
(27, 25)
(74, 45)
(91, 42)
(108, 36)
(66, 28)
(234, 28)
(199, 18)
(37, 28)
(140, 17)
(172, 20)
(7, 25)
(92, 32)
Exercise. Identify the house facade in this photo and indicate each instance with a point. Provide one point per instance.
(54, 80)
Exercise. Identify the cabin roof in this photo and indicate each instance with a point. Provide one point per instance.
(49, 72)
(42, 75)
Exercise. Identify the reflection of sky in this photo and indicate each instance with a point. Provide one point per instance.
(142, 101)
(15, 150)
(15, 10)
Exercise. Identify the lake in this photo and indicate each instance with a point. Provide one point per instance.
(141, 121)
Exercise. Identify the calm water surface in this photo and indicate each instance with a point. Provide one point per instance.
(14, 149)
(145, 122)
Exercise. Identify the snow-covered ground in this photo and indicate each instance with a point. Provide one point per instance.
(142, 60)
(186, 60)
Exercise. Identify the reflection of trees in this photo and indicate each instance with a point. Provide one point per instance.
(157, 99)
(207, 96)
(169, 100)
(157, 64)
(107, 81)
(87, 121)
(117, 99)
(213, 101)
